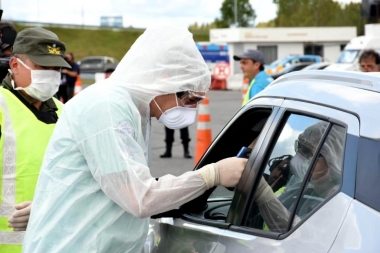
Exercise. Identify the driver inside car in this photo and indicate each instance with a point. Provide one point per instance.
(325, 178)
(279, 173)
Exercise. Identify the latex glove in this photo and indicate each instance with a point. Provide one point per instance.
(226, 172)
(230, 170)
(19, 219)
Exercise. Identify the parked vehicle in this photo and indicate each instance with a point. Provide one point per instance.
(344, 218)
(349, 58)
(317, 66)
(97, 64)
(291, 68)
(277, 66)
(213, 53)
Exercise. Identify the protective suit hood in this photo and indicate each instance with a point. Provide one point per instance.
(332, 148)
(163, 60)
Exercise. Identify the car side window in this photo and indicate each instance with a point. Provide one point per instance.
(288, 166)
(92, 61)
(214, 204)
(307, 59)
(325, 178)
(295, 61)
(243, 134)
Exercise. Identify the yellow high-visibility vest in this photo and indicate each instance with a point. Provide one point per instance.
(247, 98)
(23, 142)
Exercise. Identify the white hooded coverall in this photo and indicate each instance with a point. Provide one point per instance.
(95, 192)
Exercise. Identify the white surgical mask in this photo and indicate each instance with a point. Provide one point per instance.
(44, 85)
(178, 117)
(323, 186)
(299, 165)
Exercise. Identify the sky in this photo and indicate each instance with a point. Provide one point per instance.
(135, 13)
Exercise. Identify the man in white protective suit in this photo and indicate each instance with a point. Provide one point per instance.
(95, 192)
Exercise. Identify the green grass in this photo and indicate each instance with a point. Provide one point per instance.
(114, 43)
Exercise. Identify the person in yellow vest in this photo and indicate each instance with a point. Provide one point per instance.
(252, 64)
(28, 115)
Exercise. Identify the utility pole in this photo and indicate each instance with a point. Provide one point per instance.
(235, 11)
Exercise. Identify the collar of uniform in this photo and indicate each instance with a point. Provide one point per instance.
(261, 74)
(46, 106)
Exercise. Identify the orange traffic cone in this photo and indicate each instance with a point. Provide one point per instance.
(78, 85)
(204, 136)
(245, 89)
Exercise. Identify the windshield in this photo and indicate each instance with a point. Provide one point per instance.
(348, 56)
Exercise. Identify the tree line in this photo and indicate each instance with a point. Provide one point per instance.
(291, 13)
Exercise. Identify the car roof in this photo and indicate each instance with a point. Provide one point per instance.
(317, 65)
(303, 55)
(96, 57)
(293, 66)
(354, 92)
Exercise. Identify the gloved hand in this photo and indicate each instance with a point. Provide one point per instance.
(226, 172)
(19, 219)
(230, 170)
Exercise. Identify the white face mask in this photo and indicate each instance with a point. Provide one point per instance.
(178, 117)
(323, 185)
(299, 165)
(44, 85)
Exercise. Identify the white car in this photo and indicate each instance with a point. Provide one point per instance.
(316, 139)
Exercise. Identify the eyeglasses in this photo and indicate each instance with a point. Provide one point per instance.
(303, 149)
(190, 98)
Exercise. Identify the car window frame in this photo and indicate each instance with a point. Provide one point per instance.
(267, 152)
(305, 181)
(261, 103)
(339, 118)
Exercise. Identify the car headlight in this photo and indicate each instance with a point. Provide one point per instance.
(279, 68)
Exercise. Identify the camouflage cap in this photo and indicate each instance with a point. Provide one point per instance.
(41, 46)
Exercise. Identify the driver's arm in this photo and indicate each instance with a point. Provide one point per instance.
(275, 215)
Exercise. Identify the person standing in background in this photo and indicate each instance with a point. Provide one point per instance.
(70, 75)
(252, 65)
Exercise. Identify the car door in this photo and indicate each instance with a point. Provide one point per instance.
(91, 65)
(302, 213)
(197, 225)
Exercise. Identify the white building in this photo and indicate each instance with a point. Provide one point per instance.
(277, 43)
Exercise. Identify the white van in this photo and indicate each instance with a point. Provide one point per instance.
(349, 58)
